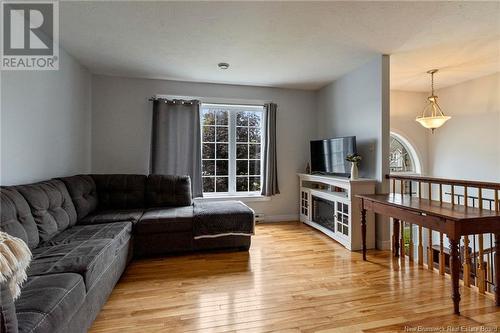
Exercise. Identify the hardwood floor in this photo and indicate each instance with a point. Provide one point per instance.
(293, 279)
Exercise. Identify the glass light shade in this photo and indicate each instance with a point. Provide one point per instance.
(433, 122)
(432, 115)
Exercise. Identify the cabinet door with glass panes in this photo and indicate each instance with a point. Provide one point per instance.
(305, 198)
(231, 149)
(342, 218)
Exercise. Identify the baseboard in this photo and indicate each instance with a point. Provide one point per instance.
(383, 245)
(280, 218)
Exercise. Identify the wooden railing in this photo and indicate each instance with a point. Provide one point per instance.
(476, 251)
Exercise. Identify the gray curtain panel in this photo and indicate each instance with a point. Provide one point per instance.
(270, 171)
(176, 140)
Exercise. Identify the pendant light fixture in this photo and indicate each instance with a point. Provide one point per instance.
(432, 116)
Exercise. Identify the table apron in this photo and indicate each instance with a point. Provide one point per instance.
(427, 221)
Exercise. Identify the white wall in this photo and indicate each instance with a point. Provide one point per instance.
(468, 145)
(45, 123)
(405, 107)
(358, 104)
(121, 128)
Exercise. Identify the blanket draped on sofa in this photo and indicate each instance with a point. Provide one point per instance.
(15, 257)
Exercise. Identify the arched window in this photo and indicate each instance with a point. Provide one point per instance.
(402, 156)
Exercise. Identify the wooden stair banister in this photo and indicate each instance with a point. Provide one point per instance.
(477, 257)
(445, 181)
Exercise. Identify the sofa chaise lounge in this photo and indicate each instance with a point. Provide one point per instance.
(84, 230)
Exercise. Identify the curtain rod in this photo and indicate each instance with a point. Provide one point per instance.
(174, 100)
(235, 104)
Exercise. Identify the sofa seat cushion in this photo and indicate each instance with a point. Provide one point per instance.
(82, 190)
(51, 206)
(166, 220)
(87, 250)
(80, 233)
(116, 215)
(48, 302)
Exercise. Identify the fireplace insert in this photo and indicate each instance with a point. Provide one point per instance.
(323, 212)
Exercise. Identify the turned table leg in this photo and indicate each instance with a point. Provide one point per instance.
(497, 269)
(363, 231)
(455, 274)
(395, 237)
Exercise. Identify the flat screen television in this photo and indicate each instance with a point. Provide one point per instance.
(328, 156)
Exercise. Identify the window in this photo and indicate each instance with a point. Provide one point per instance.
(401, 158)
(231, 148)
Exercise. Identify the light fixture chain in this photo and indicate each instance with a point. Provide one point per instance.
(432, 83)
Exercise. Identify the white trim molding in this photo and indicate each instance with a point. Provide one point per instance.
(281, 218)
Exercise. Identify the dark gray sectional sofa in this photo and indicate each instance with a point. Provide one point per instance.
(84, 230)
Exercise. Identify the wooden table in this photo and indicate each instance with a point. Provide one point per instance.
(453, 220)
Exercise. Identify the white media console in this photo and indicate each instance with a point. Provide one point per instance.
(328, 204)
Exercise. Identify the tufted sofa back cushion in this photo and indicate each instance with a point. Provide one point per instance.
(83, 192)
(168, 191)
(16, 218)
(51, 206)
(120, 191)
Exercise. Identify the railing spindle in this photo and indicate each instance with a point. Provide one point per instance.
(466, 197)
(441, 245)
(465, 266)
(480, 281)
(466, 262)
(441, 255)
(430, 259)
(402, 241)
(496, 200)
(420, 248)
(491, 262)
(489, 270)
(480, 198)
(453, 195)
(410, 245)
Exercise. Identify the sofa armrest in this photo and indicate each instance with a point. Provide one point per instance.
(168, 191)
(8, 318)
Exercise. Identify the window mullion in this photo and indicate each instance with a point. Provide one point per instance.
(232, 152)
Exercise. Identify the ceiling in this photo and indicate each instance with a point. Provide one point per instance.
(302, 45)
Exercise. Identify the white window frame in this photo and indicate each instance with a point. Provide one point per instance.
(232, 193)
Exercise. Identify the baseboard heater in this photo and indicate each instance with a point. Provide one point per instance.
(258, 217)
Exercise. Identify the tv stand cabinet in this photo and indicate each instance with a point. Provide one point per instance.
(329, 204)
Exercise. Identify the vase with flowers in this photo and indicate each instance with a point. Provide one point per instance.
(354, 159)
